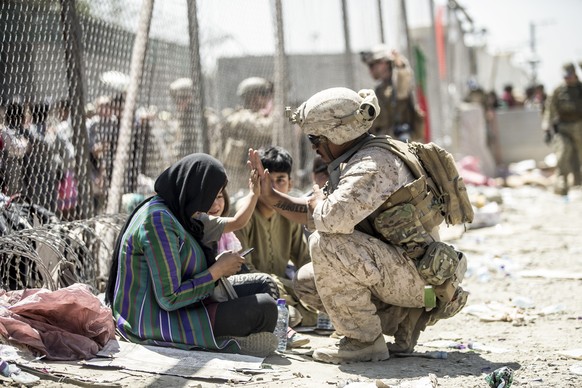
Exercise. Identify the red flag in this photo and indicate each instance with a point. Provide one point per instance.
(440, 42)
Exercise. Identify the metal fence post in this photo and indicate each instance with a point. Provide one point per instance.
(200, 128)
(76, 89)
(125, 130)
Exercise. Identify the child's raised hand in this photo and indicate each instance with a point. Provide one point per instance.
(255, 182)
(255, 163)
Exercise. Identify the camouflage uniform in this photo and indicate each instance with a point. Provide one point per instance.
(367, 286)
(248, 126)
(242, 129)
(399, 109)
(396, 98)
(564, 112)
(352, 267)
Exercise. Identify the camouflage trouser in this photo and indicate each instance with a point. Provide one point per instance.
(568, 149)
(304, 285)
(351, 270)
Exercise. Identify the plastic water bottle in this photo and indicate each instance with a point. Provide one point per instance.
(5, 368)
(323, 321)
(282, 324)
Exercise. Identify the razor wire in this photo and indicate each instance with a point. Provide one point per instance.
(60, 254)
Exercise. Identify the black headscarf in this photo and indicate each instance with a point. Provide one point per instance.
(188, 186)
(191, 185)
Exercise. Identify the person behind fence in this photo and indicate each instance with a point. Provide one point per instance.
(162, 277)
(182, 92)
(280, 244)
(42, 165)
(400, 115)
(102, 130)
(562, 126)
(368, 285)
(248, 125)
(13, 151)
(60, 135)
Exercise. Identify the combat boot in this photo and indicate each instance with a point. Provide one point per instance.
(349, 350)
(406, 336)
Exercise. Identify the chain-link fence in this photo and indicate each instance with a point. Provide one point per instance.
(97, 97)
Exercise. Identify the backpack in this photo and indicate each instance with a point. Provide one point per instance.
(433, 164)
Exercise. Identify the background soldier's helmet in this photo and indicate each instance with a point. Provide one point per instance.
(568, 69)
(380, 52)
(182, 87)
(339, 114)
(254, 85)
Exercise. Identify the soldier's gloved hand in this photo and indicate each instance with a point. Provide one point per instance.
(548, 137)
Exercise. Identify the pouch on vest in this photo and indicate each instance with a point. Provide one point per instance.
(400, 225)
(439, 263)
(446, 291)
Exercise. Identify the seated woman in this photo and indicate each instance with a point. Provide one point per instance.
(162, 276)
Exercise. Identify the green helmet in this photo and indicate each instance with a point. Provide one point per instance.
(339, 114)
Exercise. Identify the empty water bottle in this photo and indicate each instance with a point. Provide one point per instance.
(323, 321)
(282, 324)
(4, 368)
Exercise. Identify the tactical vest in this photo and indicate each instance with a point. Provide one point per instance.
(569, 103)
(410, 215)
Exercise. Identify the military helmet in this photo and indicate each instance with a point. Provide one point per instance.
(254, 85)
(568, 69)
(181, 87)
(339, 114)
(378, 53)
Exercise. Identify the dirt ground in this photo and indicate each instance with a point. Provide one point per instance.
(524, 312)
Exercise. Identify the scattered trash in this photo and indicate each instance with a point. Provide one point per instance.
(429, 381)
(488, 215)
(486, 348)
(16, 374)
(435, 355)
(500, 378)
(553, 309)
(495, 312)
(572, 353)
(483, 268)
(523, 302)
(550, 274)
(576, 368)
(444, 344)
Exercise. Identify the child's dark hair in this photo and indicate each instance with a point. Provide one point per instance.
(226, 210)
(276, 159)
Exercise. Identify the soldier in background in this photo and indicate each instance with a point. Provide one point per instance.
(400, 116)
(250, 125)
(562, 125)
(182, 93)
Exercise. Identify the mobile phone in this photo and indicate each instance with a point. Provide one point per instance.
(246, 252)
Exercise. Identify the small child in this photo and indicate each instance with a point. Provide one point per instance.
(219, 226)
(227, 225)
